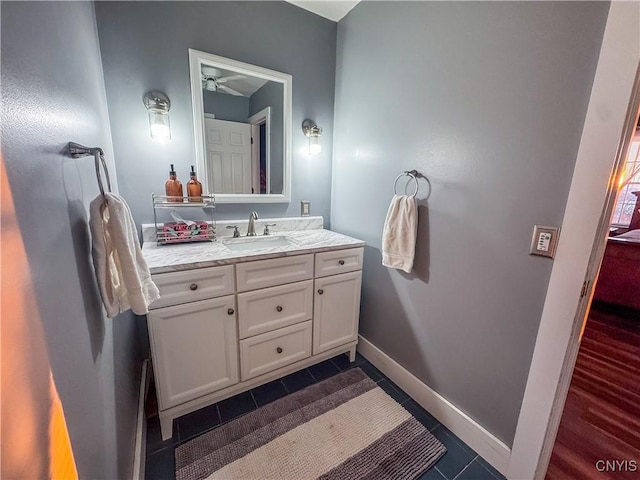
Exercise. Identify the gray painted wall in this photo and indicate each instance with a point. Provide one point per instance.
(144, 45)
(53, 92)
(271, 94)
(226, 107)
(488, 100)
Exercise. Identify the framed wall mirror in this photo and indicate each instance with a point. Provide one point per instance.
(242, 126)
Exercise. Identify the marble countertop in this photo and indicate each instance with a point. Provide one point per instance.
(170, 258)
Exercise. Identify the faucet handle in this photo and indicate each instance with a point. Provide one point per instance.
(266, 228)
(236, 233)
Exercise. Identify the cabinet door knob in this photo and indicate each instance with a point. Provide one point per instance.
(341, 262)
(230, 311)
(279, 308)
(279, 350)
(193, 286)
(320, 292)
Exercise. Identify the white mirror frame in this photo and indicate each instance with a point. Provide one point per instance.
(196, 60)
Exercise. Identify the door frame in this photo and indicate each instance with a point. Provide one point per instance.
(257, 119)
(612, 109)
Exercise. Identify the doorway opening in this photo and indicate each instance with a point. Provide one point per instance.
(599, 432)
(261, 151)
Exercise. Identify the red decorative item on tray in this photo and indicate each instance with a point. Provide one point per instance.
(178, 232)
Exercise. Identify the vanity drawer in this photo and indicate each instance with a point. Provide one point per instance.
(276, 271)
(267, 309)
(338, 261)
(270, 351)
(191, 285)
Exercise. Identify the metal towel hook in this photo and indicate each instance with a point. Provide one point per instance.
(78, 151)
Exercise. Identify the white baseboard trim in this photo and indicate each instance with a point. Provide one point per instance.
(472, 433)
(140, 452)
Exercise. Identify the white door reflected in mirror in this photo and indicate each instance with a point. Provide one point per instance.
(228, 155)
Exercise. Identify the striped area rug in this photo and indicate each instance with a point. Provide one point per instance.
(343, 428)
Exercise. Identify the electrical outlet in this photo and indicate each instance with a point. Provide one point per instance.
(544, 241)
(305, 208)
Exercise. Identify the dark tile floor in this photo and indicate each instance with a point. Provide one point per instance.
(459, 463)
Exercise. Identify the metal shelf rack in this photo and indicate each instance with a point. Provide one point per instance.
(176, 231)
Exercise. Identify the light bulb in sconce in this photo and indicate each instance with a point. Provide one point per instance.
(158, 106)
(159, 126)
(313, 132)
(315, 148)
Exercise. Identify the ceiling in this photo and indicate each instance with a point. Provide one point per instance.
(331, 9)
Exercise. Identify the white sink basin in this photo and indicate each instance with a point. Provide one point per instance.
(257, 243)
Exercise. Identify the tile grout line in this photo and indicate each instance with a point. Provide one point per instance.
(255, 404)
(312, 376)
(493, 475)
(334, 364)
(285, 387)
(438, 470)
(466, 466)
(456, 439)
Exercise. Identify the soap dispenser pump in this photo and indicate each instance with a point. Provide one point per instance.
(194, 187)
(173, 187)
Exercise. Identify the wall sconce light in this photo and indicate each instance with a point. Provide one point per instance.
(158, 105)
(313, 132)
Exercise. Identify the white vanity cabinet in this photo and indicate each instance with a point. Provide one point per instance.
(336, 310)
(219, 331)
(336, 307)
(195, 349)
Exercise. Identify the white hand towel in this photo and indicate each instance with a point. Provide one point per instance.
(399, 233)
(123, 276)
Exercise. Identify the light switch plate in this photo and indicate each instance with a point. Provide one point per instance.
(544, 241)
(305, 208)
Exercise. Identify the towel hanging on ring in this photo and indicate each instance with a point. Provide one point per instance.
(400, 232)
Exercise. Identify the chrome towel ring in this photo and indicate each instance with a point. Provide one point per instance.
(413, 174)
(410, 173)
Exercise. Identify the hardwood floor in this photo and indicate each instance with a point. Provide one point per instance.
(601, 419)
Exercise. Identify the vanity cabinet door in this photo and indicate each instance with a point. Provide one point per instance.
(195, 349)
(336, 310)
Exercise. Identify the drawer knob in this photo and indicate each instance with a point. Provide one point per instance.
(279, 350)
(279, 308)
(230, 311)
(193, 286)
(341, 262)
(320, 292)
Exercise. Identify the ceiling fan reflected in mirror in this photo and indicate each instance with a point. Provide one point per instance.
(213, 81)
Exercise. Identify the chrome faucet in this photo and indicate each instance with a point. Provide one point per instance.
(251, 230)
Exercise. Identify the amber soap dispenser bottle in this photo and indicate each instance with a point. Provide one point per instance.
(194, 187)
(173, 187)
